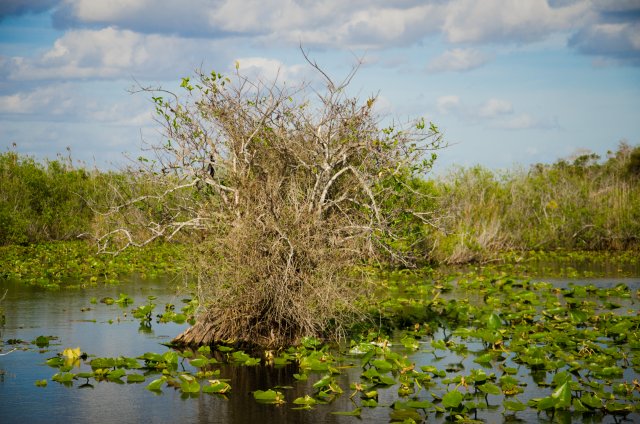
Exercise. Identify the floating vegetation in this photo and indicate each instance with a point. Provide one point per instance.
(55, 265)
(572, 264)
(269, 396)
(43, 341)
(459, 349)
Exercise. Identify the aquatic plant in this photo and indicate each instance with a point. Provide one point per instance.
(506, 345)
(55, 265)
(585, 203)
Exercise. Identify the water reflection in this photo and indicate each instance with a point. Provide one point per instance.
(32, 312)
(68, 314)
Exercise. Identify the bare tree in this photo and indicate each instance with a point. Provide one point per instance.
(285, 190)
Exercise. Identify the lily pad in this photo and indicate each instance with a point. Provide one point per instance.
(269, 396)
(217, 386)
(355, 413)
(135, 378)
(156, 385)
(514, 405)
(452, 399)
(490, 389)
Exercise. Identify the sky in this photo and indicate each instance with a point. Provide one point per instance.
(508, 82)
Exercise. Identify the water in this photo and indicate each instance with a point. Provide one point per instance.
(31, 312)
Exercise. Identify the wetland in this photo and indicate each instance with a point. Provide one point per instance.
(474, 344)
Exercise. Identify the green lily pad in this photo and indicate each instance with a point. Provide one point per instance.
(382, 365)
(591, 400)
(419, 404)
(269, 396)
(452, 399)
(405, 416)
(252, 362)
(369, 403)
(562, 396)
(63, 377)
(490, 388)
(306, 400)
(493, 321)
(43, 341)
(85, 374)
(55, 362)
(355, 413)
(135, 378)
(102, 363)
(156, 385)
(514, 405)
(116, 374)
(189, 384)
(217, 386)
(199, 362)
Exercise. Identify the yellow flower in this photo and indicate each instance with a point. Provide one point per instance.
(71, 353)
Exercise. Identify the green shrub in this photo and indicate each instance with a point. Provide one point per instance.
(633, 166)
(45, 201)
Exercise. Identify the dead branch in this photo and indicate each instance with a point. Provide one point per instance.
(283, 192)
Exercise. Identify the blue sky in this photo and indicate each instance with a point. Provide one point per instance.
(510, 82)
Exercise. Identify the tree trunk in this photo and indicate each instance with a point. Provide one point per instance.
(200, 334)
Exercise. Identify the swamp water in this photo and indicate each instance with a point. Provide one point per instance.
(441, 357)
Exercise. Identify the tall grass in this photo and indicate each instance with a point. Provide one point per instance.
(588, 203)
(46, 201)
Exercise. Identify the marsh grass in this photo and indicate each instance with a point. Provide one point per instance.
(584, 204)
(52, 200)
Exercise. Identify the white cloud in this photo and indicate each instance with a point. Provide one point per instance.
(344, 25)
(268, 70)
(495, 107)
(110, 53)
(52, 100)
(518, 122)
(107, 10)
(376, 27)
(524, 121)
(187, 17)
(458, 60)
(257, 16)
(508, 20)
(358, 24)
(492, 113)
(16, 103)
(327, 22)
(77, 102)
(448, 104)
